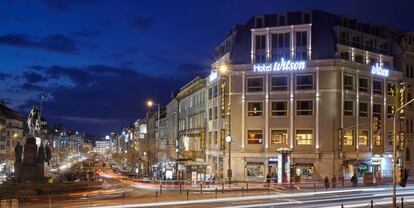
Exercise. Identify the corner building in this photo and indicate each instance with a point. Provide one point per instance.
(297, 81)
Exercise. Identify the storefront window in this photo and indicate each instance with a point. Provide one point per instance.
(254, 137)
(348, 138)
(377, 140)
(363, 138)
(304, 137)
(279, 137)
(255, 169)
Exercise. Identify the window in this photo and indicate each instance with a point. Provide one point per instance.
(210, 114)
(254, 137)
(301, 45)
(345, 55)
(210, 93)
(215, 90)
(304, 107)
(278, 137)
(377, 139)
(359, 59)
(279, 83)
(390, 111)
(280, 46)
(215, 112)
(304, 137)
(254, 84)
(348, 108)
(304, 82)
(363, 109)
(363, 84)
(255, 109)
(376, 110)
(260, 42)
(377, 87)
(391, 89)
(348, 82)
(255, 169)
(363, 138)
(260, 58)
(348, 138)
(279, 108)
(215, 138)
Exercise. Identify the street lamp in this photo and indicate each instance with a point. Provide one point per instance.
(229, 172)
(151, 103)
(394, 154)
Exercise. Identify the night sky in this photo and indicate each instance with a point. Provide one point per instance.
(97, 61)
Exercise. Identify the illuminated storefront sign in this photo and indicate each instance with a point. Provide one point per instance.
(376, 69)
(282, 65)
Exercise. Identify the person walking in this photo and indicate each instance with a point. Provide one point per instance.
(354, 180)
(326, 182)
(334, 181)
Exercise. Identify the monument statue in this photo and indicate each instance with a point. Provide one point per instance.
(18, 151)
(34, 121)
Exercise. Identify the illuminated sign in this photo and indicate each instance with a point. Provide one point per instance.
(212, 76)
(279, 66)
(376, 69)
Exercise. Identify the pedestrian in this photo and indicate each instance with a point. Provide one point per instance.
(268, 178)
(334, 181)
(354, 180)
(326, 182)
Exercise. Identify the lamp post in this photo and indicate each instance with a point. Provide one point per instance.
(394, 154)
(229, 172)
(150, 103)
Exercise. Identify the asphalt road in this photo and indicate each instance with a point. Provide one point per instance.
(116, 193)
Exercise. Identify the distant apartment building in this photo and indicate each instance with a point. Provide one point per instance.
(11, 132)
(311, 94)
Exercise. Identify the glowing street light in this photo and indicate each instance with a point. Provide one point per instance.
(223, 69)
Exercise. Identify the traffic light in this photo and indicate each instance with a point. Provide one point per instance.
(403, 177)
(377, 123)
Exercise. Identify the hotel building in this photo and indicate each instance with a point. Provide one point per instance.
(306, 95)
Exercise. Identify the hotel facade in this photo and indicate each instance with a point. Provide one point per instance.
(306, 95)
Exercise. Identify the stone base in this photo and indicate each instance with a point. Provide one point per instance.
(33, 174)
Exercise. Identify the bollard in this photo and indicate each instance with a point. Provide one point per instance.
(201, 188)
(160, 188)
(372, 203)
(187, 194)
(156, 196)
(123, 198)
(247, 184)
(87, 198)
(50, 201)
(180, 188)
(216, 192)
(242, 191)
(402, 202)
(222, 187)
(342, 205)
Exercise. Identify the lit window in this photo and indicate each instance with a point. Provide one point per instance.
(255, 109)
(390, 111)
(304, 82)
(254, 137)
(260, 42)
(348, 82)
(377, 140)
(359, 59)
(304, 107)
(279, 108)
(363, 138)
(279, 83)
(345, 55)
(278, 137)
(391, 89)
(348, 108)
(348, 138)
(304, 137)
(363, 109)
(254, 84)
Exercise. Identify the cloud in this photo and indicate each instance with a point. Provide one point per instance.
(4, 76)
(142, 22)
(33, 77)
(102, 98)
(127, 52)
(85, 33)
(66, 5)
(56, 43)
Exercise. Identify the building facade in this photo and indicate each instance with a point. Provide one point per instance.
(311, 94)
